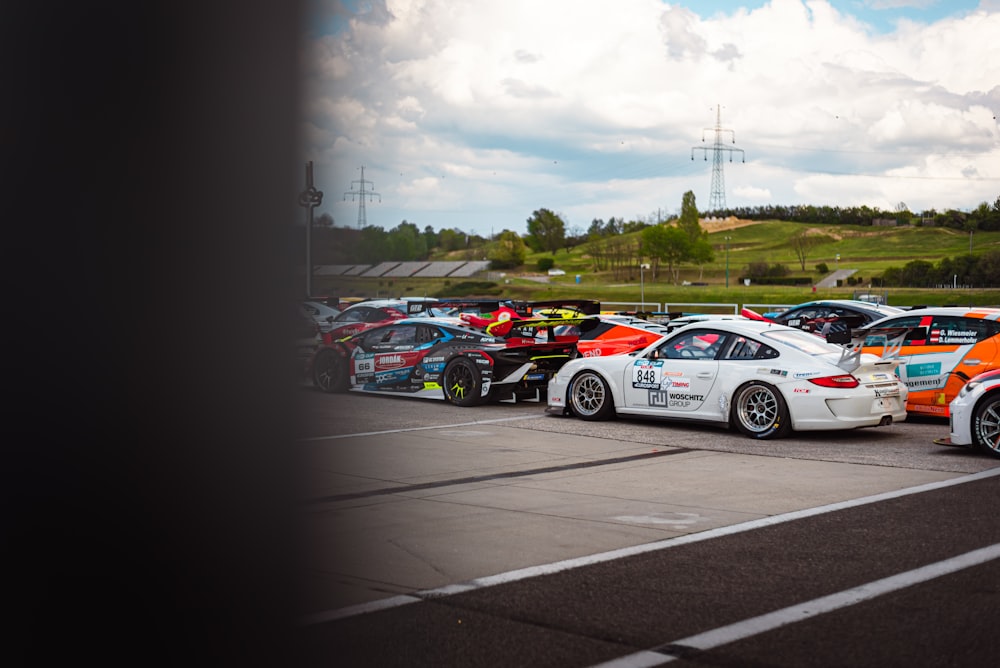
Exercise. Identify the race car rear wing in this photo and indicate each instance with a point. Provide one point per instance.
(579, 307)
(855, 339)
(505, 327)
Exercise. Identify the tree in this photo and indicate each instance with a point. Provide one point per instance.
(700, 253)
(508, 251)
(668, 244)
(689, 218)
(451, 240)
(406, 243)
(372, 245)
(802, 242)
(546, 231)
(431, 239)
(699, 249)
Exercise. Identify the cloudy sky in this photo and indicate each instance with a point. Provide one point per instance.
(472, 114)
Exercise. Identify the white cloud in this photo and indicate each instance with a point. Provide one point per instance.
(475, 113)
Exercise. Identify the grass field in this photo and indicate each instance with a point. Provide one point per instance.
(867, 250)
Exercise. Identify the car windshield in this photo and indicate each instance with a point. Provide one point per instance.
(805, 342)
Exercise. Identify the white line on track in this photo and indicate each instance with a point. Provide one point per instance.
(568, 564)
(405, 429)
(818, 606)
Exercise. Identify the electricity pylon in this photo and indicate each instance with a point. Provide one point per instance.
(717, 201)
(362, 193)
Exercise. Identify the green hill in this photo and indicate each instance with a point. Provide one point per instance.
(738, 246)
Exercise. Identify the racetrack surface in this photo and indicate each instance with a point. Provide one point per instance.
(503, 536)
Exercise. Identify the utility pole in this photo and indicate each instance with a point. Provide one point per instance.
(717, 201)
(362, 193)
(727, 261)
(310, 198)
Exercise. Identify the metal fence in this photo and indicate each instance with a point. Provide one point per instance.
(693, 307)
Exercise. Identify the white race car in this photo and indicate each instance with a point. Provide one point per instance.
(765, 379)
(975, 415)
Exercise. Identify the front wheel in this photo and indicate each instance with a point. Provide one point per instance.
(759, 411)
(330, 372)
(463, 383)
(590, 397)
(986, 425)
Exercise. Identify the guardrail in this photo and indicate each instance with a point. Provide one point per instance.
(695, 307)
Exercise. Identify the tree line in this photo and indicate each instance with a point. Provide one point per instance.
(612, 247)
(981, 270)
(985, 217)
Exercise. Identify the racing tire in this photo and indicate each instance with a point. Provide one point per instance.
(759, 411)
(589, 397)
(986, 425)
(330, 372)
(463, 383)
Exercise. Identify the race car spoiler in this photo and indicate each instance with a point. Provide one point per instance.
(577, 306)
(854, 341)
(504, 327)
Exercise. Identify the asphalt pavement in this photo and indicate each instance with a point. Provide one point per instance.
(502, 536)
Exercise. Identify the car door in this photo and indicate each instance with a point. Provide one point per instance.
(677, 377)
(386, 356)
(942, 354)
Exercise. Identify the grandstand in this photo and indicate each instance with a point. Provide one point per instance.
(405, 269)
(438, 269)
(470, 269)
(357, 270)
(380, 269)
(456, 269)
(336, 269)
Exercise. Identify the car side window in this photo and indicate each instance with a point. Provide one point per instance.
(698, 344)
(742, 348)
(354, 315)
(426, 334)
(915, 337)
(953, 330)
(370, 340)
(399, 336)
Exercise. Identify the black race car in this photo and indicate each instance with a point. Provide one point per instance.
(444, 358)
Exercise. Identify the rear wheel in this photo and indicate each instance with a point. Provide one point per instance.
(986, 425)
(463, 383)
(759, 411)
(590, 397)
(330, 371)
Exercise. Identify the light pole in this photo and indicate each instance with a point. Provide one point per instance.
(309, 198)
(642, 281)
(727, 261)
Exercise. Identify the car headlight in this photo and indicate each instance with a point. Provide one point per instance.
(968, 387)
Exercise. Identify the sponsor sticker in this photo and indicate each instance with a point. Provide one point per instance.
(658, 398)
(949, 337)
(925, 369)
(386, 362)
(364, 365)
(646, 374)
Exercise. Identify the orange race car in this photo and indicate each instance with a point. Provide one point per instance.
(947, 347)
(613, 334)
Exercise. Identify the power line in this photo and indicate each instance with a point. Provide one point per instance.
(717, 200)
(362, 193)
